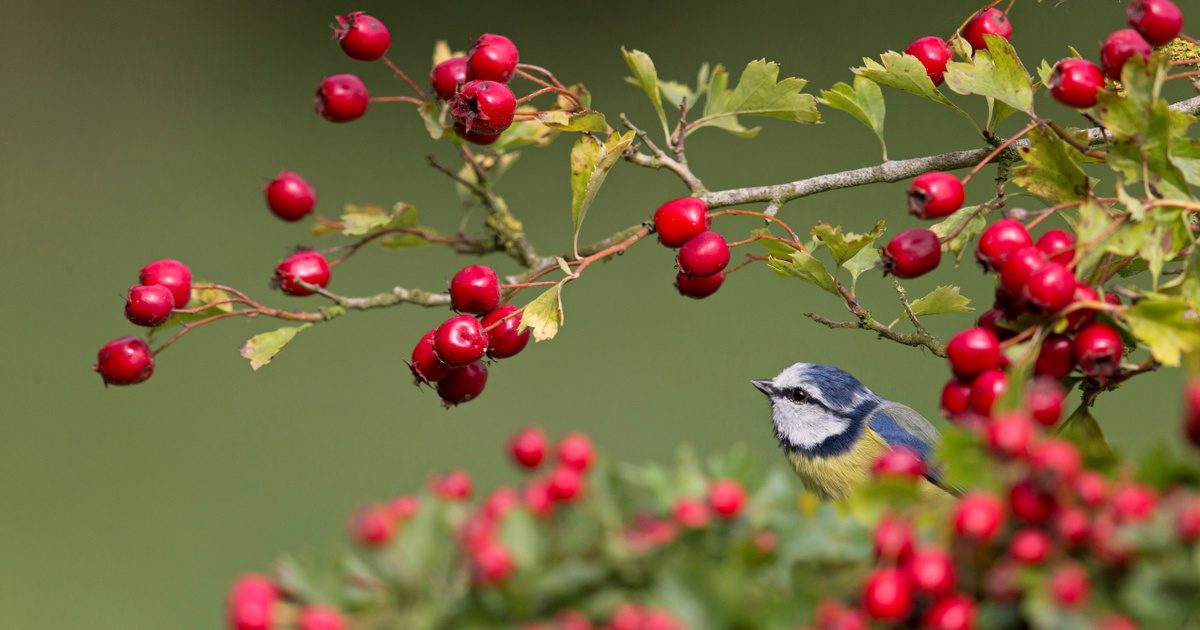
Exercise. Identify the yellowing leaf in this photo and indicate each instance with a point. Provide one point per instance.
(1051, 168)
(996, 72)
(263, 347)
(759, 92)
(591, 159)
(974, 224)
(944, 299)
(208, 295)
(544, 314)
(905, 72)
(864, 101)
(578, 121)
(1167, 326)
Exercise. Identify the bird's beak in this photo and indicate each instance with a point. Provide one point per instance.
(764, 385)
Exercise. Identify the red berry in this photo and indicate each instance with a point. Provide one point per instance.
(986, 389)
(171, 274)
(680, 220)
(1098, 350)
(1018, 266)
(1075, 83)
(1055, 461)
(887, 595)
(307, 266)
(425, 365)
(341, 98)
(912, 253)
(405, 507)
(978, 516)
(989, 22)
(447, 76)
(1107, 545)
(893, 539)
(373, 526)
(1079, 318)
(1159, 21)
(955, 396)
(1118, 48)
(999, 240)
(691, 513)
(726, 497)
(1114, 621)
(900, 462)
(1191, 421)
(124, 361)
(953, 612)
(528, 447)
(1072, 525)
(704, 255)
(500, 502)
(973, 351)
(492, 58)
(1092, 488)
(484, 106)
(935, 194)
(537, 498)
(992, 320)
(1070, 585)
(321, 618)
(1132, 502)
(1001, 582)
(1187, 520)
(492, 563)
(698, 288)
(1044, 398)
(1050, 288)
(1009, 434)
(251, 603)
(475, 289)
(931, 571)
(452, 486)
(565, 484)
(362, 37)
(290, 197)
(148, 305)
(1029, 546)
(1030, 504)
(505, 337)
(1058, 246)
(460, 341)
(933, 53)
(1055, 358)
(463, 384)
(576, 451)
(475, 136)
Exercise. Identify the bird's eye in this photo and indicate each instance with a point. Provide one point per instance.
(798, 395)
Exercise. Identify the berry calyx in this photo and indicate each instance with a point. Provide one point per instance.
(307, 266)
(373, 526)
(485, 107)
(124, 361)
(463, 384)
(973, 351)
(935, 194)
(887, 595)
(978, 516)
(475, 289)
(989, 22)
(148, 305)
(1097, 350)
(290, 197)
(986, 389)
(321, 618)
(1159, 21)
(1119, 47)
(704, 255)
(931, 571)
(933, 53)
(447, 76)
(341, 98)
(999, 240)
(492, 58)
(425, 365)
(956, 394)
(1075, 82)
(1050, 288)
(912, 253)
(680, 220)
(698, 288)
(171, 274)
(362, 36)
(251, 603)
(726, 498)
(1055, 358)
(576, 451)
(1018, 266)
(460, 340)
(505, 337)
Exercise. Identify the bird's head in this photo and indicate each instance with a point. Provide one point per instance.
(816, 408)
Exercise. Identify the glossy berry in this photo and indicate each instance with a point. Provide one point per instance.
(452, 486)
(973, 351)
(576, 451)
(1055, 461)
(912, 253)
(492, 564)
(900, 462)
(460, 340)
(1029, 504)
(447, 76)
(1029, 546)
(463, 384)
(1044, 398)
(726, 498)
(1132, 502)
(148, 305)
(1191, 420)
(1055, 358)
(475, 137)
(1081, 317)
(698, 288)
(1097, 350)
(1058, 246)
(1159, 21)
(1018, 266)
(1009, 434)
(978, 516)
(999, 240)
(475, 289)
(887, 595)
(290, 197)
(1050, 288)
(425, 365)
(251, 603)
(893, 539)
(953, 612)
(505, 337)
(691, 513)
(566, 484)
(989, 22)
(124, 361)
(341, 98)
(485, 107)
(935, 194)
(1070, 585)
(361, 36)
(492, 58)
(1118, 48)
(986, 390)
(680, 220)
(1075, 82)
(373, 526)
(308, 266)
(931, 571)
(955, 396)
(704, 255)
(171, 274)
(528, 447)
(933, 53)
(321, 618)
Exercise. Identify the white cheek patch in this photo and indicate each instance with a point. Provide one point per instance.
(806, 426)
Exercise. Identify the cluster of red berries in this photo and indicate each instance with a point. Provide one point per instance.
(934, 52)
(252, 606)
(164, 285)
(684, 224)
(916, 252)
(476, 88)
(1076, 82)
(343, 97)
(451, 355)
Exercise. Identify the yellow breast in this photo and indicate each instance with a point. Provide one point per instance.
(834, 477)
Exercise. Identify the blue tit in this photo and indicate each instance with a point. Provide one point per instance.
(833, 429)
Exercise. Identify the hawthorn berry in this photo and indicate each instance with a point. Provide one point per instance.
(726, 498)
(537, 498)
(1079, 318)
(1159, 21)
(955, 396)
(1058, 246)
(988, 22)
(1092, 488)
(893, 539)
(485, 107)
(361, 36)
(704, 255)
(935, 194)
(1044, 398)
(1029, 546)
(986, 389)
(475, 289)
(528, 447)
(1133, 502)
(463, 384)
(452, 486)
(953, 612)
(1018, 266)
(1055, 462)
(899, 463)
(575, 451)
(973, 351)
(251, 603)
(887, 595)
(1114, 621)
(912, 253)
(341, 98)
(1070, 585)
(148, 305)
(171, 274)
(565, 483)
(307, 266)
(373, 526)
(290, 196)
(931, 571)
(991, 320)
(1050, 288)
(1055, 358)
(124, 361)
(321, 618)
(405, 507)
(1187, 520)
(1030, 504)
(447, 76)
(698, 288)
(933, 53)
(1075, 82)
(505, 337)
(1097, 350)
(1009, 434)
(500, 502)
(978, 516)
(1072, 526)
(474, 136)
(460, 341)
(1191, 420)
(1119, 47)
(691, 513)
(425, 365)
(680, 220)
(492, 564)
(492, 58)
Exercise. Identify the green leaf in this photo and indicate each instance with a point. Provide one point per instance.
(905, 72)
(520, 533)
(864, 101)
(1082, 430)
(361, 220)
(642, 67)
(844, 246)
(944, 299)
(965, 461)
(802, 265)
(525, 133)
(974, 222)
(998, 112)
(591, 159)
(996, 72)
(1051, 168)
(432, 113)
(1167, 326)
(759, 92)
(577, 121)
(718, 83)
(544, 314)
(866, 258)
(263, 347)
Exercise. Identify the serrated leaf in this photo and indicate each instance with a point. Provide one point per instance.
(905, 72)
(675, 93)
(864, 101)
(943, 299)
(644, 73)
(799, 264)
(974, 222)
(591, 159)
(718, 82)
(578, 121)
(262, 348)
(1167, 326)
(845, 245)
(359, 220)
(544, 315)
(866, 258)
(1051, 168)
(759, 92)
(996, 72)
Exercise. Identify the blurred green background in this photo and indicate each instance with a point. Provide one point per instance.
(145, 130)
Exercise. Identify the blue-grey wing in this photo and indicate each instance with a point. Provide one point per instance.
(901, 425)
